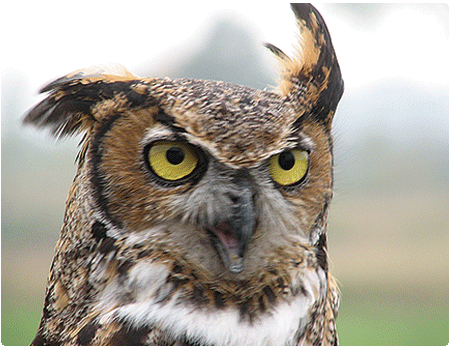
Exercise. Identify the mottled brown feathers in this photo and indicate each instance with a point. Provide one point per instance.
(312, 77)
(213, 248)
(80, 99)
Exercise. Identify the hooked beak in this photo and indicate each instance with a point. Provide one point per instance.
(231, 237)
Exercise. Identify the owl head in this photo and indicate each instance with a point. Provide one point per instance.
(219, 175)
(198, 213)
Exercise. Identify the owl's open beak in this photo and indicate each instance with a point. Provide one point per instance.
(231, 237)
(228, 246)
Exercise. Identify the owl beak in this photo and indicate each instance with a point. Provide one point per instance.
(231, 237)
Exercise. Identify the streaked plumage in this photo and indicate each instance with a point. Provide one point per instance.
(198, 214)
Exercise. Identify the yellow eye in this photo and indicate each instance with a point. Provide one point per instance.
(289, 167)
(172, 160)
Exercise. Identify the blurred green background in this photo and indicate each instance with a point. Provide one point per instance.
(388, 235)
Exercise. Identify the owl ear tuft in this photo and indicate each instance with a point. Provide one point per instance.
(277, 52)
(78, 100)
(312, 78)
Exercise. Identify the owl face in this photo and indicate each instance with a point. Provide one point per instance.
(224, 180)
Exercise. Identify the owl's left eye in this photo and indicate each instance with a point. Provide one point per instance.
(172, 161)
(289, 167)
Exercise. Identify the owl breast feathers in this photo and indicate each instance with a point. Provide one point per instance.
(198, 214)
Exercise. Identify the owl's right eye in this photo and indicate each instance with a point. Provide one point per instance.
(172, 161)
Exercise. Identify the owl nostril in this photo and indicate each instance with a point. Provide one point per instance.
(233, 198)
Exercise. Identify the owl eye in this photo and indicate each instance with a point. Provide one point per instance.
(172, 160)
(289, 167)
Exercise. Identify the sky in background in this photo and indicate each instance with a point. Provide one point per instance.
(47, 39)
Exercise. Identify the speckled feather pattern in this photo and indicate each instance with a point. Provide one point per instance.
(136, 262)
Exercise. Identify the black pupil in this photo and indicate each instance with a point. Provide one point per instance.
(286, 160)
(175, 155)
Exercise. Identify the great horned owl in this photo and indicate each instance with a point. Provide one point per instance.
(198, 214)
